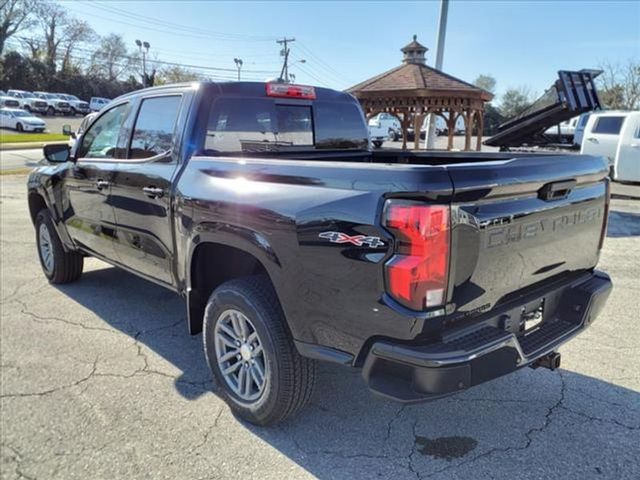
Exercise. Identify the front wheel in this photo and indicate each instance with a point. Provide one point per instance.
(249, 349)
(377, 143)
(58, 266)
(19, 127)
(51, 112)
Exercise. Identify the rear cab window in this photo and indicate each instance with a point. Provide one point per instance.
(608, 125)
(239, 125)
(153, 132)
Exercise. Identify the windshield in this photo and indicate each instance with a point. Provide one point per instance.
(21, 113)
(240, 125)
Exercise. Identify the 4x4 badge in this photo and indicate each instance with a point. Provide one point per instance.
(359, 240)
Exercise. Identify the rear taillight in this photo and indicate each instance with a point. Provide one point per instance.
(291, 91)
(605, 220)
(417, 274)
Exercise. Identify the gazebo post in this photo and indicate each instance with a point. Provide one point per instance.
(480, 123)
(406, 121)
(451, 126)
(417, 125)
(468, 127)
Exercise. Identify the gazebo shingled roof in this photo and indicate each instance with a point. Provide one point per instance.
(413, 90)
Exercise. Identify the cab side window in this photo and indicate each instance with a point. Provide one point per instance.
(155, 126)
(101, 140)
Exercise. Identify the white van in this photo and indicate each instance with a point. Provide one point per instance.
(614, 135)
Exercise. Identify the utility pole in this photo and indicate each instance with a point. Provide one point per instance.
(144, 52)
(442, 31)
(238, 62)
(284, 73)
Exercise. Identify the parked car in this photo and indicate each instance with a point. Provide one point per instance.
(9, 102)
(21, 120)
(603, 135)
(292, 241)
(54, 104)
(96, 103)
(28, 101)
(77, 105)
(382, 127)
(564, 132)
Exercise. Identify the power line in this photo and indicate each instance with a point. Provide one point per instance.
(163, 62)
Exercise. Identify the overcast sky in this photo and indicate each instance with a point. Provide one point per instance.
(343, 43)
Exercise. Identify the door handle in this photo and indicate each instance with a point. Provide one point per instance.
(100, 184)
(593, 140)
(153, 192)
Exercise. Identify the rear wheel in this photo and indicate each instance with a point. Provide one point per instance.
(73, 112)
(249, 349)
(58, 266)
(51, 112)
(27, 108)
(377, 143)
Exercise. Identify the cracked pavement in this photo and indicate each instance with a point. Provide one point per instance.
(99, 379)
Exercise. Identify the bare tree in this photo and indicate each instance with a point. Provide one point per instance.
(111, 59)
(52, 19)
(15, 16)
(75, 33)
(619, 85)
(175, 74)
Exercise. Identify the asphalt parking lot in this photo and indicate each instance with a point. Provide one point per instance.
(99, 379)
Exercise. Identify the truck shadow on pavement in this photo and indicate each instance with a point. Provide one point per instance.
(545, 423)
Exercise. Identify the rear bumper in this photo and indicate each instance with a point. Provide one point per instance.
(413, 373)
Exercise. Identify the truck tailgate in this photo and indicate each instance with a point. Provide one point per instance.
(517, 223)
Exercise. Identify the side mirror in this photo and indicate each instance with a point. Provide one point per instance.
(66, 130)
(57, 152)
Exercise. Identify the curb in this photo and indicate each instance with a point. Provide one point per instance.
(28, 145)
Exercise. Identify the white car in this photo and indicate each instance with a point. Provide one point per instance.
(21, 120)
(384, 126)
(77, 105)
(563, 132)
(615, 135)
(28, 101)
(96, 103)
(54, 104)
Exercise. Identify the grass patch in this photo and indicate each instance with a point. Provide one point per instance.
(15, 171)
(31, 137)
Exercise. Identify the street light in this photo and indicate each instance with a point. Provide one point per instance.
(292, 76)
(238, 62)
(144, 52)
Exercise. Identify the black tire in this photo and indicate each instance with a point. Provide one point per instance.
(377, 143)
(27, 108)
(67, 266)
(51, 111)
(19, 127)
(73, 112)
(290, 378)
(612, 173)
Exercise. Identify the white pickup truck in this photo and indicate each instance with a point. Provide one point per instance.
(384, 126)
(616, 136)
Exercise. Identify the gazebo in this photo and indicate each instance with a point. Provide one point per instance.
(414, 90)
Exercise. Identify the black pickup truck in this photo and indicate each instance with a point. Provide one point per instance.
(291, 241)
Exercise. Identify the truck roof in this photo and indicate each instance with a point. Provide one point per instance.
(249, 89)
